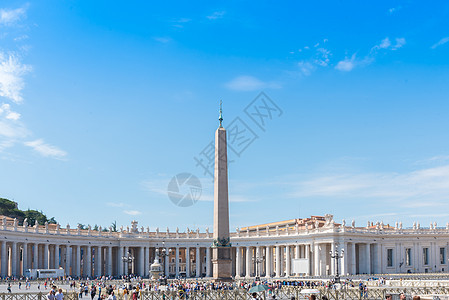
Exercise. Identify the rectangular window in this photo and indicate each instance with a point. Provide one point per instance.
(442, 256)
(425, 256)
(389, 257)
(408, 256)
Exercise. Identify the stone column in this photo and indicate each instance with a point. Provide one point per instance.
(333, 263)
(4, 257)
(237, 262)
(177, 262)
(343, 267)
(99, 259)
(147, 261)
(109, 273)
(208, 263)
(353, 259)
(120, 261)
(287, 261)
(35, 257)
(316, 258)
(24, 258)
(88, 261)
(125, 264)
(278, 261)
(248, 262)
(167, 262)
(368, 258)
(307, 255)
(14, 259)
(141, 261)
(187, 261)
(46, 262)
(56, 257)
(68, 259)
(198, 262)
(268, 261)
(78, 261)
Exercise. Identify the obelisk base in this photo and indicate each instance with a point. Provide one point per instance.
(222, 265)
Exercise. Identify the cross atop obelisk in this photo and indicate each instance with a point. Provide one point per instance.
(221, 248)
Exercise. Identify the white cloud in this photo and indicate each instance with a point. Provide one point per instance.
(394, 9)
(11, 77)
(250, 83)
(10, 16)
(347, 64)
(5, 109)
(46, 149)
(179, 23)
(306, 67)
(440, 42)
(421, 188)
(216, 15)
(399, 43)
(385, 43)
(132, 212)
(322, 57)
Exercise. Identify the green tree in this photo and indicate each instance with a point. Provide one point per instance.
(114, 226)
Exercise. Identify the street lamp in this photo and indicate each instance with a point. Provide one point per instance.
(128, 258)
(162, 254)
(337, 255)
(258, 260)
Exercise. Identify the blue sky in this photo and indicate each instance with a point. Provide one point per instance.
(103, 102)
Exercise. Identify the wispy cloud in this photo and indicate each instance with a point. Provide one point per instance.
(318, 57)
(180, 22)
(12, 72)
(349, 63)
(11, 16)
(5, 109)
(346, 64)
(132, 212)
(46, 150)
(394, 9)
(440, 42)
(250, 83)
(427, 187)
(163, 40)
(216, 15)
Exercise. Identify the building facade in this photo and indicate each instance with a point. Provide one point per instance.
(268, 250)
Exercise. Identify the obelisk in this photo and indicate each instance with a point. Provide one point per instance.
(221, 248)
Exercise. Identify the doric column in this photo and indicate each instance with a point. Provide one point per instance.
(307, 255)
(68, 259)
(35, 257)
(316, 260)
(141, 261)
(88, 261)
(237, 262)
(248, 262)
(56, 256)
(278, 261)
(257, 265)
(167, 262)
(24, 258)
(208, 262)
(268, 261)
(14, 259)
(287, 261)
(333, 263)
(343, 267)
(368, 258)
(120, 261)
(126, 264)
(78, 261)
(297, 252)
(353, 259)
(198, 262)
(46, 265)
(4, 257)
(177, 262)
(109, 273)
(99, 259)
(187, 261)
(147, 261)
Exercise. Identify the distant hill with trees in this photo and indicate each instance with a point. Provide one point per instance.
(11, 209)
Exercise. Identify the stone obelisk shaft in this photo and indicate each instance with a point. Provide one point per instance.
(221, 251)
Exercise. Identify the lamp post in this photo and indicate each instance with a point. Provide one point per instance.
(162, 254)
(337, 255)
(258, 260)
(128, 258)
